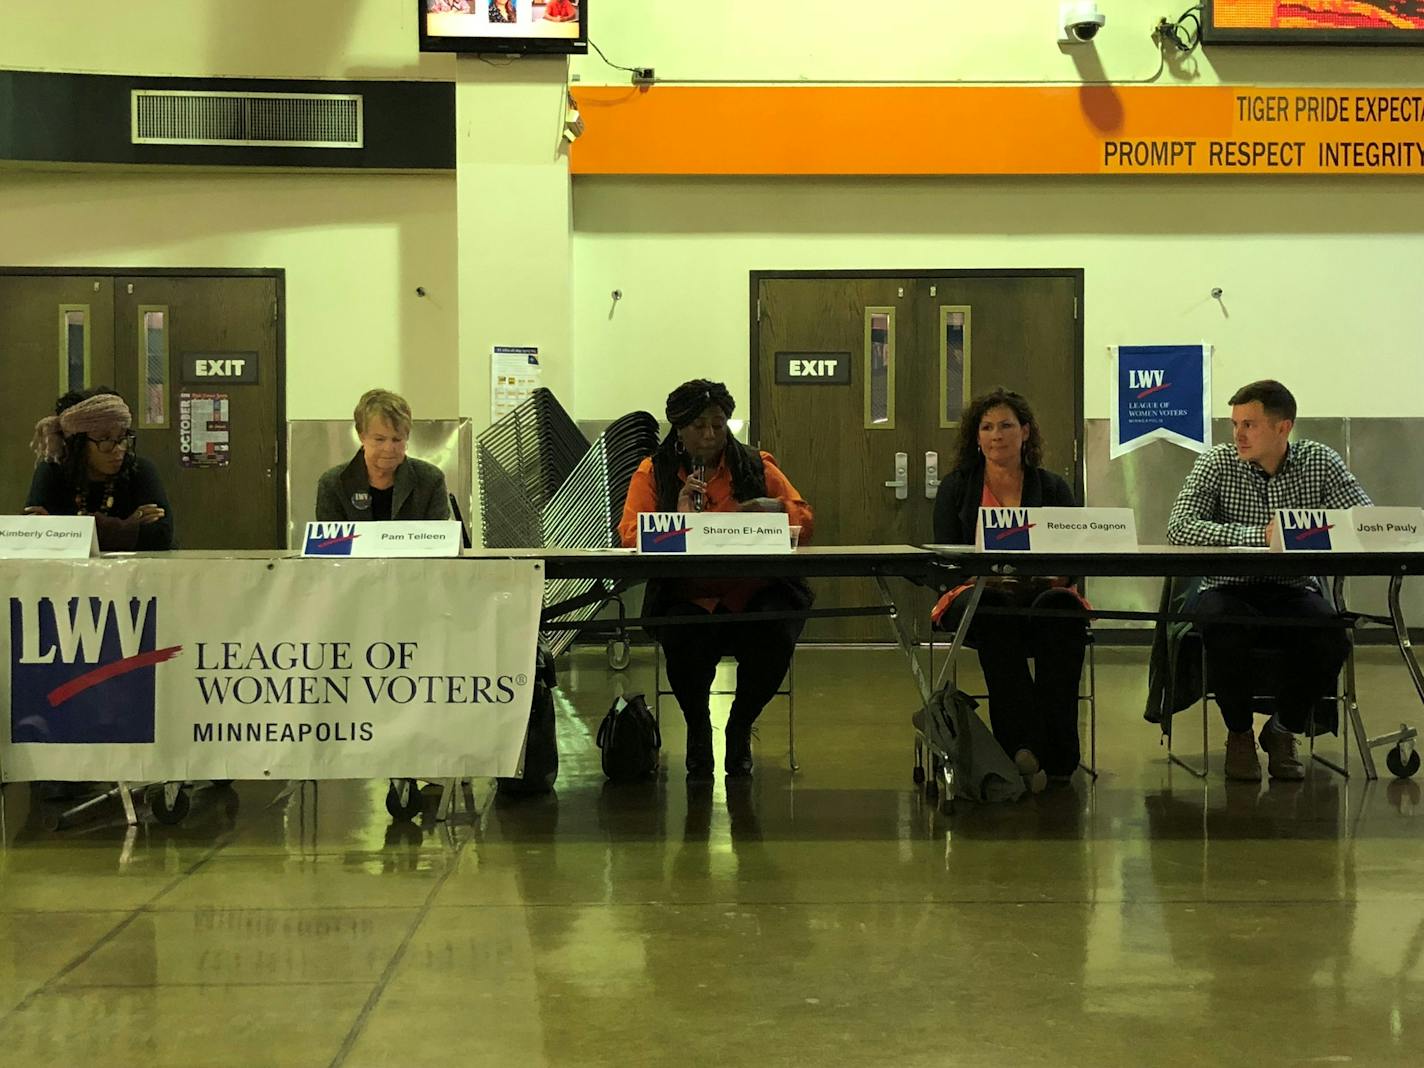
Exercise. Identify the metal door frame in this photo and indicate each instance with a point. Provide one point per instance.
(277, 274)
(1073, 274)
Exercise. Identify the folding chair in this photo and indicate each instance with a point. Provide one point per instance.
(927, 756)
(1346, 696)
(786, 690)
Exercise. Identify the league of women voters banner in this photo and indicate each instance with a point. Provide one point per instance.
(1160, 392)
(125, 668)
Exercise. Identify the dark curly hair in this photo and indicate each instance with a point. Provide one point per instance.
(969, 455)
(73, 462)
(684, 405)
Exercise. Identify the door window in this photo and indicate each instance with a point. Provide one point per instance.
(73, 347)
(153, 365)
(880, 368)
(954, 375)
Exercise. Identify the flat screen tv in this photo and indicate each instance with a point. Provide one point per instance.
(1334, 22)
(504, 27)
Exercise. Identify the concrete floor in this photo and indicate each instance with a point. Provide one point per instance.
(830, 918)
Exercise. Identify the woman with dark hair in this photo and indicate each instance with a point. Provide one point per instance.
(88, 467)
(1034, 716)
(699, 467)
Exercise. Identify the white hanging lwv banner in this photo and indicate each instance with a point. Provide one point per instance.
(1160, 392)
(127, 668)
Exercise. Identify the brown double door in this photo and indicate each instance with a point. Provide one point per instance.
(859, 381)
(145, 335)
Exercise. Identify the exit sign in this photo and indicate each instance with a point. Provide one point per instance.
(813, 368)
(225, 367)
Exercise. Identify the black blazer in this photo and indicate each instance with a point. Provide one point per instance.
(956, 511)
(344, 492)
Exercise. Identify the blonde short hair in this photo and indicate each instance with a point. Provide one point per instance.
(383, 404)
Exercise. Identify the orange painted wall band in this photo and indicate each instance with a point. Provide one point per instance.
(998, 130)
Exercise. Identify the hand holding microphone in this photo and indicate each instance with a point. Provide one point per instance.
(693, 496)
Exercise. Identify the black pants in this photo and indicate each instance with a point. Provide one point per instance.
(1038, 711)
(763, 650)
(1309, 660)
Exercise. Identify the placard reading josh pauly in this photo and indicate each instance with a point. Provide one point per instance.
(1353, 530)
(235, 669)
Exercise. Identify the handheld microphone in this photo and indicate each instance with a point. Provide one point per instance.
(700, 473)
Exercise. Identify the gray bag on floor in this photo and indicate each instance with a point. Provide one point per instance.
(982, 770)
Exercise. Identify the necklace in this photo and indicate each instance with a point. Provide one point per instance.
(81, 500)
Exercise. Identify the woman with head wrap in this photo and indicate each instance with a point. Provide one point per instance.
(700, 467)
(88, 467)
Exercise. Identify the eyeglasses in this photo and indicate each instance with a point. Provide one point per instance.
(106, 445)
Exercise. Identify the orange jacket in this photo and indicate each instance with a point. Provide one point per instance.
(731, 594)
(643, 497)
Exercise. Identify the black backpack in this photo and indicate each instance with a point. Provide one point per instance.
(630, 740)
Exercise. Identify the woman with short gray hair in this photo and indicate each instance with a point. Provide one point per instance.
(381, 482)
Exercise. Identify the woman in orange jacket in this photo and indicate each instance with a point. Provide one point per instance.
(699, 466)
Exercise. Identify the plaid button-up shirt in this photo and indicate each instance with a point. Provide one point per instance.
(1227, 501)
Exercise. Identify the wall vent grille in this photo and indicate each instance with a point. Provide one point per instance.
(271, 120)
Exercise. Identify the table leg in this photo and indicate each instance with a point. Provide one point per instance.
(1403, 760)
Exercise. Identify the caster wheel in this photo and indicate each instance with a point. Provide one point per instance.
(1398, 766)
(620, 654)
(413, 803)
(157, 800)
(919, 775)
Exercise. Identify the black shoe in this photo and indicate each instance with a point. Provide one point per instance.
(700, 764)
(739, 752)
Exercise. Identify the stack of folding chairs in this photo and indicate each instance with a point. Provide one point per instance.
(542, 484)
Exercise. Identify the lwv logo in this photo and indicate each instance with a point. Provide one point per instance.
(330, 539)
(1147, 382)
(82, 670)
(1305, 529)
(1006, 529)
(662, 532)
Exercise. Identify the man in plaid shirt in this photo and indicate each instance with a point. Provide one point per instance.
(1231, 498)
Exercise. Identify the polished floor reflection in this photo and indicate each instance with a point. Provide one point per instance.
(831, 917)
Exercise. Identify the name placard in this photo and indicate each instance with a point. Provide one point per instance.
(436, 537)
(1056, 530)
(1354, 530)
(48, 537)
(706, 533)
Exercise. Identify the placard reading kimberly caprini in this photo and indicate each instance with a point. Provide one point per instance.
(143, 669)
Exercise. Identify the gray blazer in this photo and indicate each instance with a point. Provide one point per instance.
(345, 492)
